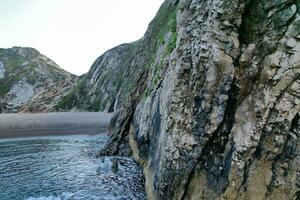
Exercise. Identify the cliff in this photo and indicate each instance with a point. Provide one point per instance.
(31, 82)
(98, 89)
(213, 107)
(207, 101)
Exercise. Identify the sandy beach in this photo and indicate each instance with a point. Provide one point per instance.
(48, 124)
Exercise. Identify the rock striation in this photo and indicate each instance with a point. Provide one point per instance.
(31, 82)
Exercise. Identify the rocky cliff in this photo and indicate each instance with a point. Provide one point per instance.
(31, 82)
(212, 109)
(98, 89)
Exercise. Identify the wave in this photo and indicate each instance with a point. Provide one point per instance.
(64, 196)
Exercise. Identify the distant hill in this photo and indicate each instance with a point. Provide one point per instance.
(31, 82)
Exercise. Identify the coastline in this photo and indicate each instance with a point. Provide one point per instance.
(53, 124)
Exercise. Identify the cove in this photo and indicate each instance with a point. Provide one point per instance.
(65, 167)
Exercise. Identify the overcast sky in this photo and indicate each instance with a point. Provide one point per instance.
(73, 33)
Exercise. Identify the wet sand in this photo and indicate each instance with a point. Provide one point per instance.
(52, 124)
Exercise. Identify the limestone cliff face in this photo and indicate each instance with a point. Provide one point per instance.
(214, 109)
(31, 82)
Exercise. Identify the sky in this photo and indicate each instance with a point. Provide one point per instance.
(73, 33)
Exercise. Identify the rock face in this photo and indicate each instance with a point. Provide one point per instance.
(31, 82)
(98, 89)
(213, 109)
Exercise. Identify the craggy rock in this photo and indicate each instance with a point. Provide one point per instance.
(31, 82)
(215, 113)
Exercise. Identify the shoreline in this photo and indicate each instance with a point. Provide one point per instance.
(13, 134)
(52, 124)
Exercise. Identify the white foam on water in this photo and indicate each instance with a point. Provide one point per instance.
(64, 196)
(44, 198)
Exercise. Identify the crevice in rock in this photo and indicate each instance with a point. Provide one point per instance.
(295, 123)
(215, 148)
(287, 154)
(297, 195)
(111, 107)
(245, 179)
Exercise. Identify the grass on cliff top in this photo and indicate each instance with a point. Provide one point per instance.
(164, 22)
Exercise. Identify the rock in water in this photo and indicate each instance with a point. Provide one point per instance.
(114, 165)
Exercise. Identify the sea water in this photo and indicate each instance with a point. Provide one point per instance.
(65, 168)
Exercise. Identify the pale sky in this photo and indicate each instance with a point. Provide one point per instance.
(73, 33)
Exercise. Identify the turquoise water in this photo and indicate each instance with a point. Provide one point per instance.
(63, 168)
